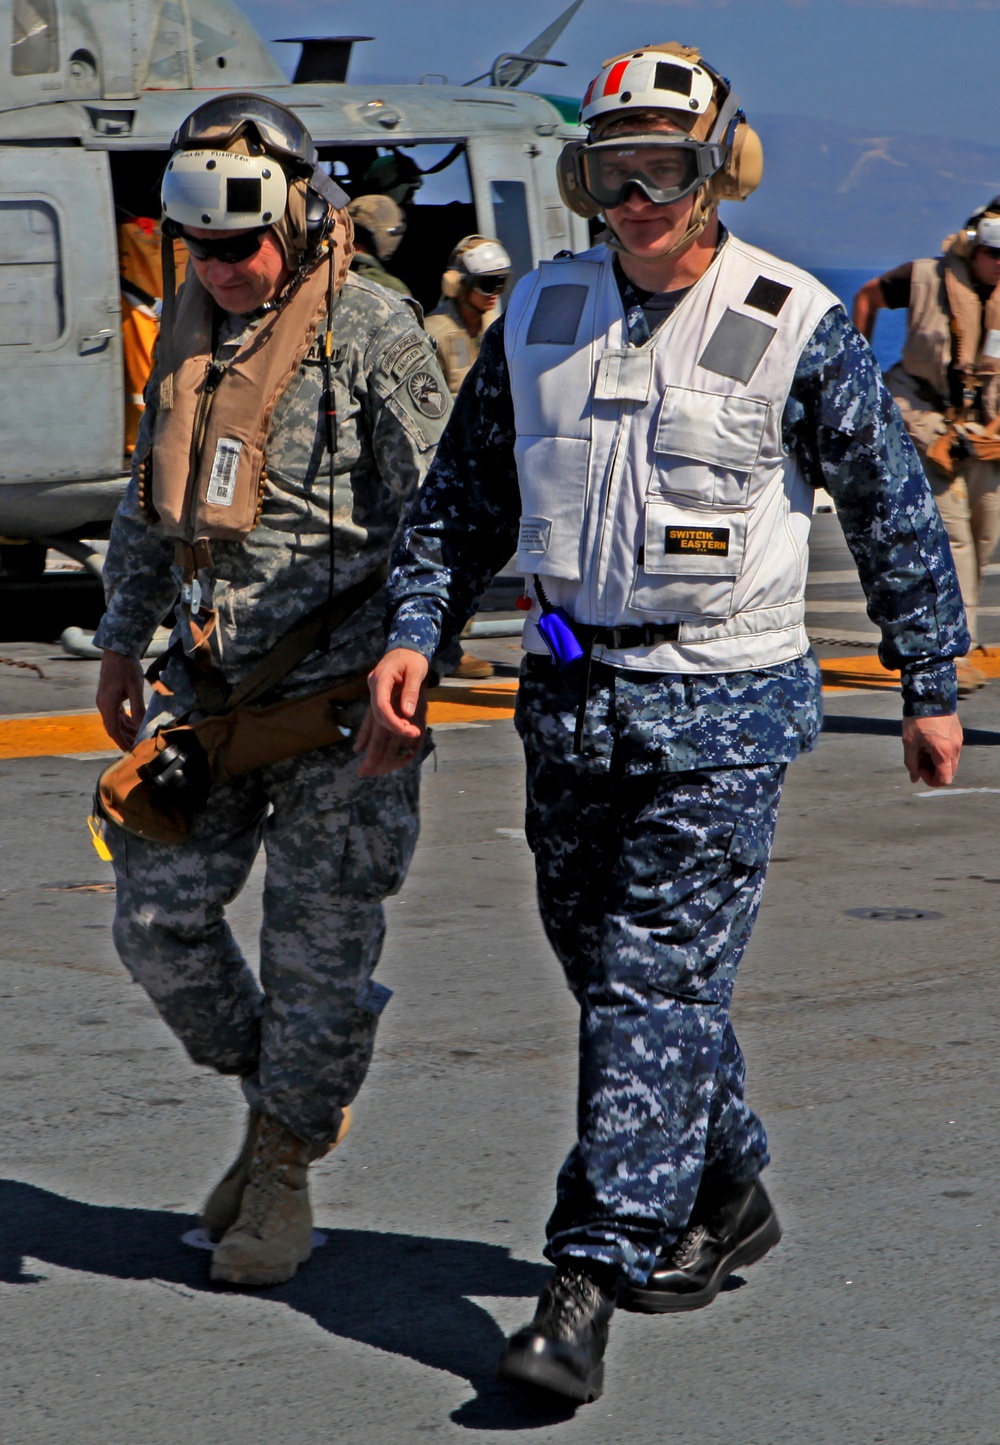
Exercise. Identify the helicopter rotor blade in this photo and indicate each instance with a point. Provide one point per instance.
(516, 72)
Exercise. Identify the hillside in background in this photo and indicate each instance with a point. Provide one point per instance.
(838, 195)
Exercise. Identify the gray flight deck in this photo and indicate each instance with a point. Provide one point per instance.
(872, 1049)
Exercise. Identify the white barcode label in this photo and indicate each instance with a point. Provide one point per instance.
(222, 482)
(991, 346)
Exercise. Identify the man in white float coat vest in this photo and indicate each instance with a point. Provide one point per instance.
(647, 423)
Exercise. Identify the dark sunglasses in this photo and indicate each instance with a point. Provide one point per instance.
(231, 250)
(489, 285)
(993, 252)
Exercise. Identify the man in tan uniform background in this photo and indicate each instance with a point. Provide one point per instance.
(477, 272)
(947, 387)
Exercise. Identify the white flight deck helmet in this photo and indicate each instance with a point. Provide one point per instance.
(987, 224)
(720, 155)
(244, 162)
(476, 263)
(981, 229)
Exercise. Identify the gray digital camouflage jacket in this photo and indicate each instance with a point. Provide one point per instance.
(392, 404)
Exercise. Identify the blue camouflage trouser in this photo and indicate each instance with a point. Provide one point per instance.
(335, 846)
(648, 887)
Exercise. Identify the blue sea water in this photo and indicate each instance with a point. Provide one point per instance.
(890, 327)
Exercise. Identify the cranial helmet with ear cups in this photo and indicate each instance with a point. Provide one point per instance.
(473, 256)
(724, 158)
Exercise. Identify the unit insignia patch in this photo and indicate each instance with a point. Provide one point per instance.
(427, 394)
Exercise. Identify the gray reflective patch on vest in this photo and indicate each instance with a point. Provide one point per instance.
(736, 346)
(534, 534)
(556, 318)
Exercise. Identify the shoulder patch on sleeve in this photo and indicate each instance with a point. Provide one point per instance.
(428, 397)
(402, 356)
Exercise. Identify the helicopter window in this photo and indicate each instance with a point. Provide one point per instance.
(431, 181)
(34, 46)
(510, 217)
(31, 304)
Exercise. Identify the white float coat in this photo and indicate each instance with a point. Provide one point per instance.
(654, 484)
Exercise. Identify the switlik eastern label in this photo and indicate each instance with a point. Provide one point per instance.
(698, 541)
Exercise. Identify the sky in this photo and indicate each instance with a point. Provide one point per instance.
(930, 67)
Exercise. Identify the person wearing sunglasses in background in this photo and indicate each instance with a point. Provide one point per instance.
(947, 387)
(646, 424)
(474, 280)
(293, 410)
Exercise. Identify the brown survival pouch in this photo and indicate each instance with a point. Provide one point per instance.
(956, 446)
(157, 790)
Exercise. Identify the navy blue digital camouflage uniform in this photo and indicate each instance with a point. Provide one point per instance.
(651, 844)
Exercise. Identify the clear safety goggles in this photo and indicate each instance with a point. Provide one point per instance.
(231, 250)
(664, 168)
(216, 124)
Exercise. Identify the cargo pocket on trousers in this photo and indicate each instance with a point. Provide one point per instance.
(382, 827)
(358, 1041)
(750, 845)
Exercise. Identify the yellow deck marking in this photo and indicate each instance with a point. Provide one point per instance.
(472, 704)
(41, 737)
(68, 733)
(846, 674)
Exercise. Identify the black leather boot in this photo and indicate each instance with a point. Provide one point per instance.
(725, 1233)
(562, 1350)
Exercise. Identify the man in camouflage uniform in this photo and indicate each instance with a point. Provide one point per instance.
(301, 1038)
(655, 760)
(379, 227)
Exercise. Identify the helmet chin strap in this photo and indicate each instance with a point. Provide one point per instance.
(701, 214)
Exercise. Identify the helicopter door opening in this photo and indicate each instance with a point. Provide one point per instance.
(431, 182)
(506, 188)
(60, 344)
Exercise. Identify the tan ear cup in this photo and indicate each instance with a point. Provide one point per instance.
(451, 284)
(743, 171)
(570, 184)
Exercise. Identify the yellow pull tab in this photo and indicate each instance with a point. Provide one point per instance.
(96, 826)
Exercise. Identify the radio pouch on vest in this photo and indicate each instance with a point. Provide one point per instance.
(157, 790)
(558, 634)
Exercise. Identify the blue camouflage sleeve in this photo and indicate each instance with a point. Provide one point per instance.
(846, 433)
(461, 527)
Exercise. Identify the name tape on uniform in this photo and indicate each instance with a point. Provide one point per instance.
(702, 541)
(222, 482)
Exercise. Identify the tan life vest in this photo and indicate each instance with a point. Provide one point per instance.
(947, 322)
(204, 479)
(457, 350)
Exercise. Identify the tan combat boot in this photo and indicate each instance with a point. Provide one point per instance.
(272, 1233)
(223, 1204)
